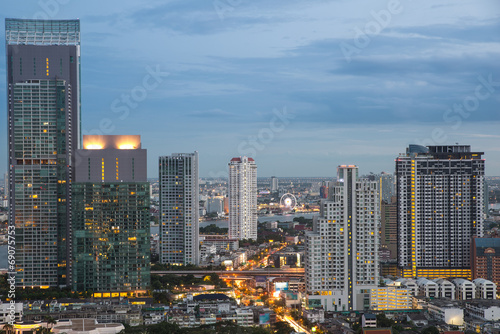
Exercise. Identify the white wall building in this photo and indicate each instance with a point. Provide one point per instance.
(446, 310)
(242, 198)
(465, 289)
(427, 288)
(446, 289)
(485, 289)
(410, 284)
(179, 209)
(484, 310)
(341, 257)
(10, 312)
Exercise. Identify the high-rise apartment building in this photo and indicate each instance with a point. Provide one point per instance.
(389, 227)
(341, 257)
(242, 190)
(179, 209)
(485, 259)
(386, 187)
(43, 108)
(440, 208)
(111, 251)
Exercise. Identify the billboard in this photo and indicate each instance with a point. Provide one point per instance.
(264, 319)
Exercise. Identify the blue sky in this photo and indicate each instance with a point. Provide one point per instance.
(302, 86)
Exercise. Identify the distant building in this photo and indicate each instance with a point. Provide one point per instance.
(323, 190)
(389, 226)
(341, 257)
(242, 190)
(274, 184)
(179, 209)
(440, 208)
(387, 186)
(111, 246)
(215, 205)
(486, 259)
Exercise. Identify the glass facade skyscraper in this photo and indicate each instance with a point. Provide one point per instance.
(43, 94)
(111, 247)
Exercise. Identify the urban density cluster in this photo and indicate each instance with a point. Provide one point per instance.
(94, 245)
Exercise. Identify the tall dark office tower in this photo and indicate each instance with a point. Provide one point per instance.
(440, 208)
(43, 94)
(111, 247)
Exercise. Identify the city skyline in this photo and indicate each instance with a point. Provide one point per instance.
(234, 70)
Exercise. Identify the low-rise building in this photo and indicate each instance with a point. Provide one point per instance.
(74, 326)
(368, 320)
(11, 312)
(427, 288)
(484, 310)
(465, 289)
(446, 310)
(446, 289)
(410, 284)
(485, 289)
(390, 297)
(418, 319)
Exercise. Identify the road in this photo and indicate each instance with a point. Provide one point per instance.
(296, 272)
(296, 326)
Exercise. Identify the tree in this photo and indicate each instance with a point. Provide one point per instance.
(50, 321)
(383, 321)
(281, 327)
(430, 330)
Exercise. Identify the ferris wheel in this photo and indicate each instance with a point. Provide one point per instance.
(288, 202)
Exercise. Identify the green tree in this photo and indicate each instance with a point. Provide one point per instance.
(430, 330)
(383, 321)
(281, 327)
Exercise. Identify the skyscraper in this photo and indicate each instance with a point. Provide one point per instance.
(440, 208)
(341, 258)
(389, 226)
(274, 184)
(111, 252)
(179, 209)
(242, 198)
(43, 94)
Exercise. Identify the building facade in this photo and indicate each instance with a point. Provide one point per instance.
(440, 208)
(486, 259)
(43, 108)
(242, 198)
(111, 236)
(179, 209)
(341, 257)
(389, 227)
(274, 184)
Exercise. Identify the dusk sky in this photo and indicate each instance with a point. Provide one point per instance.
(300, 86)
